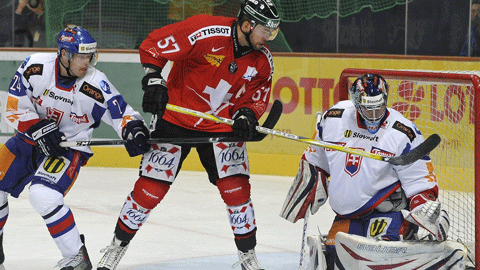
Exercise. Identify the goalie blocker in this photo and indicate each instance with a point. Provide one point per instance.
(308, 187)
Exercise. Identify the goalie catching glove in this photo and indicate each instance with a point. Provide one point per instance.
(427, 212)
(308, 187)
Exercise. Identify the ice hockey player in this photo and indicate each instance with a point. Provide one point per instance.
(221, 66)
(373, 200)
(55, 97)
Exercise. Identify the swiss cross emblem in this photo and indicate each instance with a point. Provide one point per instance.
(352, 163)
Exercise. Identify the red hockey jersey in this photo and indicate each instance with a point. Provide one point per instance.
(210, 72)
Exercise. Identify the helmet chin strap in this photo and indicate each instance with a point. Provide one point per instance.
(66, 68)
(247, 35)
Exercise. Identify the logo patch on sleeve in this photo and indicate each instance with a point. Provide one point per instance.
(92, 92)
(35, 69)
(337, 113)
(406, 130)
(209, 31)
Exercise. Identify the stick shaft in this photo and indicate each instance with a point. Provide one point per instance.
(277, 133)
(423, 149)
(303, 251)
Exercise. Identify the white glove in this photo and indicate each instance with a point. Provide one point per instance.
(428, 214)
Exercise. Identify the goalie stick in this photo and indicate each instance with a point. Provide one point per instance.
(270, 122)
(303, 251)
(419, 152)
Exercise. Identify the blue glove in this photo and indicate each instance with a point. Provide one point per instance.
(47, 138)
(136, 134)
(245, 123)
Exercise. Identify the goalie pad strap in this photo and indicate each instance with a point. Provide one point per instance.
(305, 190)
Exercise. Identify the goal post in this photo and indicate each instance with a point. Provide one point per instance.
(442, 102)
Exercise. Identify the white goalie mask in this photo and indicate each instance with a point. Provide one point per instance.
(369, 94)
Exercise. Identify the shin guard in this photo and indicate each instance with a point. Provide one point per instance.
(147, 193)
(235, 192)
(244, 226)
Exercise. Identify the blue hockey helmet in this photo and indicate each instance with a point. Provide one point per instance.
(77, 40)
(369, 94)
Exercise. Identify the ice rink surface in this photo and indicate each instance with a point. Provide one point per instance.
(188, 230)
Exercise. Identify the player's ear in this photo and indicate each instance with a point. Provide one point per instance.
(245, 26)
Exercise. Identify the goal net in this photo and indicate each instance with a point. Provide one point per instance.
(442, 102)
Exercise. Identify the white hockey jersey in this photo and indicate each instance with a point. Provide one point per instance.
(359, 184)
(36, 93)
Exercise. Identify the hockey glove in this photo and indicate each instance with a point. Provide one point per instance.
(155, 96)
(427, 212)
(136, 134)
(47, 138)
(244, 125)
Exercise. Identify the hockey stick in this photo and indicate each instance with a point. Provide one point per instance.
(150, 141)
(270, 122)
(303, 251)
(419, 152)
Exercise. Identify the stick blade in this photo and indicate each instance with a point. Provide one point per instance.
(272, 119)
(419, 152)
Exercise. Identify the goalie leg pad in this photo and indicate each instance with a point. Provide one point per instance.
(395, 254)
(306, 189)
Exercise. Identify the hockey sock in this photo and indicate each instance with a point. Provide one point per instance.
(242, 221)
(58, 217)
(147, 193)
(4, 210)
(235, 192)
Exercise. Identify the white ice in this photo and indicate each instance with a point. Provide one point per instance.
(188, 230)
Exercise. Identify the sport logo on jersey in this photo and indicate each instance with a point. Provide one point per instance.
(378, 151)
(54, 164)
(35, 69)
(336, 113)
(215, 60)
(406, 130)
(78, 119)
(92, 92)
(378, 227)
(353, 162)
(53, 96)
(209, 31)
(105, 87)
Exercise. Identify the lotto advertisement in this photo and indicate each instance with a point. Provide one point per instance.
(306, 85)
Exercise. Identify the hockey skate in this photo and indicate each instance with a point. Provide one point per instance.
(113, 255)
(81, 261)
(2, 255)
(248, 260)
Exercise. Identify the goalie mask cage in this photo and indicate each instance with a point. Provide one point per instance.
(442, 102)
